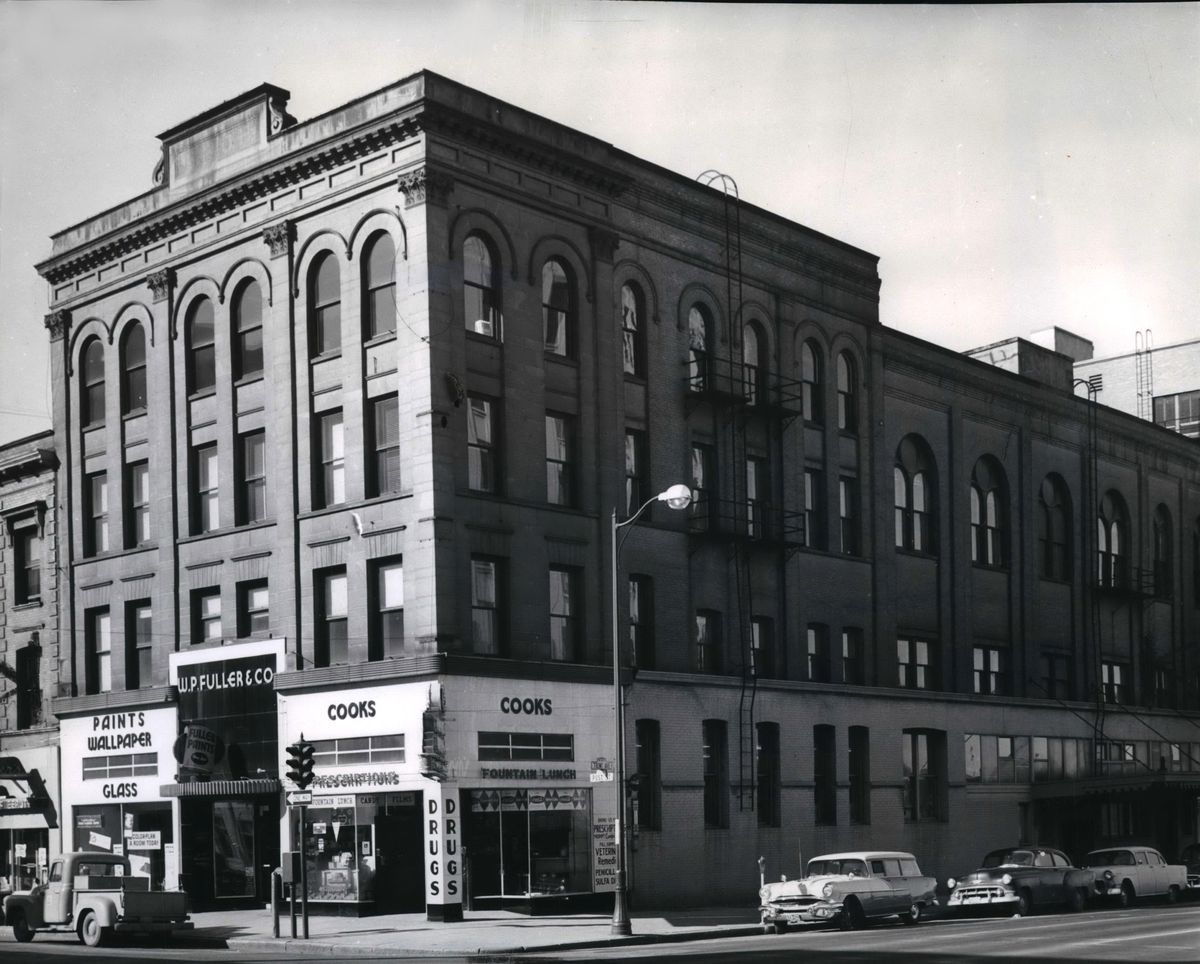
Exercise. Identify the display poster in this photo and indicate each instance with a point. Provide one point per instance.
(604, 854)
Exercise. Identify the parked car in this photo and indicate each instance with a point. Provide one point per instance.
(850, 889)
(1190, 858)
(94, 895)
(1018, 879)
(1127, 873)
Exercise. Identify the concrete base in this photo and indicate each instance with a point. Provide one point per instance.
(444, 913)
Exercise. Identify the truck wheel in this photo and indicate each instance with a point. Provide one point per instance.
(22, 932)
(1173, 894)
(1077, 899)
(89, 930)
(915, 915)
(1024, 903)
(852, 917)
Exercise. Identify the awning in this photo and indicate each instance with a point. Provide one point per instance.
(221, 788)
(1117, 784)
(24, 801)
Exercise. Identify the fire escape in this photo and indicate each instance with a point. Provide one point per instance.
(747, 520)
(1143, 361)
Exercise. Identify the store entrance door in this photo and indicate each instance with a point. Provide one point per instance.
(399, 863)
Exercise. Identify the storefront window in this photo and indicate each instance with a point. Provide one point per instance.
(141, 831)
(19, 850)
(233, 848)
(529, 842)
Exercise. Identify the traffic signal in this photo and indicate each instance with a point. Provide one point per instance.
(300, 763)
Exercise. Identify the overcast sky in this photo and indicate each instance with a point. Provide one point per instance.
(1013, 167)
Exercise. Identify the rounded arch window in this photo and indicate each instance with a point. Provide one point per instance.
(811, 380)
(481, 288)
(989, 529)
(699, 325)
(1163, 552)
(202, 350)
(379, 286)
(248, 329)
(325, 304)
(92, 400)
(752, 370)
(914, 485)
(633, 339)
(1112, 527)
(847, 393)
(133, 370)
(1054, 528)
(558, 320)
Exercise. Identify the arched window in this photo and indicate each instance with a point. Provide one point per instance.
(752, 372)
(247, 330)
(811, 381)
(92, 402)
(558, 318)
(1163, 553)
(1112, 527)
(914, 484)
(847, 384)
(633, 338)
(379, 286)
(202, 351)
(989, 529)
(133, 370)
(325, 304)
(1054, 529)
(481, 288)
(698, 326)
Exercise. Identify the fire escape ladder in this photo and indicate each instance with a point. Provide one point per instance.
(1143, 359)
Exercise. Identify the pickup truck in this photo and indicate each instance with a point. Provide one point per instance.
(95, 895)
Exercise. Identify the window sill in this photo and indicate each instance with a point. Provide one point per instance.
(34, 602)
(484, 339)
(248, 379)
(989, 567)
(202, 393)
(916, 553)
(93, 427)
(133, 413)
(568, 360)
(350, 506)
(382, 339)
(325, 356)
(636, 379)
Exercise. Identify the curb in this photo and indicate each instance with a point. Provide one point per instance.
(319, 948)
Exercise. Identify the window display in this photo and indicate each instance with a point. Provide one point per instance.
(233, 848)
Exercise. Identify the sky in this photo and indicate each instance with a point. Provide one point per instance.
(1013, 166)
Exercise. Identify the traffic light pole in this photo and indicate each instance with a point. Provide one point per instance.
(303, 874)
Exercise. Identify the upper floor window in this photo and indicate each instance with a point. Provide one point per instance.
(385, 450)
(481, 288)
(752, 372)
(27, 559)
(1163, 552)
(853, 664)
(716, 773)
(331, 456)
(205, 470)
(848, 508)
(1112, 528)
(817, 653)
(812, 382)
(253, 608)
(95, 536)
(703, 479)
(763, 660)
(565, 624)
(1054, 676)
(97, 651)
(133, 370)
(379, 286)
(825, 774)
(139, 645)
(1113, 681)
(137, 495)
(847, 393)
(247, 330)
(916, 661)
(206, 615)
(859, 771)
(757, 497)
(325, 304)
(814, 508)
(202, 348)
(914, 495)
(1180, 413)
(633, 339)
(636, 483)
(558, 321)
(1054, 529)
(387, 610)
(988, 528)
(252, 486)
(767, 770)
(698, 339)
(708, 641)
(481, 444)
(560, 444)
(332, 640)
(649, 772)
(92, 401)
(925, 784)
(641, 621)
(487, 595)
(988, 664)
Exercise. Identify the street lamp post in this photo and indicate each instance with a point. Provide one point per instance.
(678, 496)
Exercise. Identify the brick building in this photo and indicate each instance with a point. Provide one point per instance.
(344, 407)
(29, 658)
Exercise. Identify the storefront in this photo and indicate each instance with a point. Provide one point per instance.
(226, 778)
(116, 764)
(29, 820)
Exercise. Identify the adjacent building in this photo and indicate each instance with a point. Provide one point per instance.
(344, 408)
(30, 811)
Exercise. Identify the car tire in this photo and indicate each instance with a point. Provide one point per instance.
(1024, 903)
(1077, 899)
(1128, 895)
(781, 927)
(852, 917)
(916, 914)
(90, 931)
(22, 932)
(1173, 894)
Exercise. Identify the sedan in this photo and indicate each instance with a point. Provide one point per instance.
(1127, 873)
(1018, 879)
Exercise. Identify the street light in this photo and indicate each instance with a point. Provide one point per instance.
(678, 496)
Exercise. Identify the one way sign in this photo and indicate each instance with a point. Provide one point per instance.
(299, 798)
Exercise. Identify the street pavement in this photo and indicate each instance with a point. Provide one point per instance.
(480, 932)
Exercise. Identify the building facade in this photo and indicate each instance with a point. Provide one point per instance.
(30, 811)
(344, 408)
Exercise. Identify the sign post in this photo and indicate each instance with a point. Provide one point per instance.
(300, 771)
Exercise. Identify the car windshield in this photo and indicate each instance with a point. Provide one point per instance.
(1109, 858)
(1009, 858)
(852, 868)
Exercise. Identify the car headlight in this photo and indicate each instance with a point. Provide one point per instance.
(1006, 879)
(951, 883)
(1108, 875)
(827, 891)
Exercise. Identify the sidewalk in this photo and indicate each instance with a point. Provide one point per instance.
(481, 932)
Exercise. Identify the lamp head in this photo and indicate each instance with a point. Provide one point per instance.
(678, 496)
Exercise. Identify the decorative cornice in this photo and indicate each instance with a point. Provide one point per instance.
(193, 211)
(160, 284)
(58, 323)
(604, 243)
(424, 185)
(279, 237)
